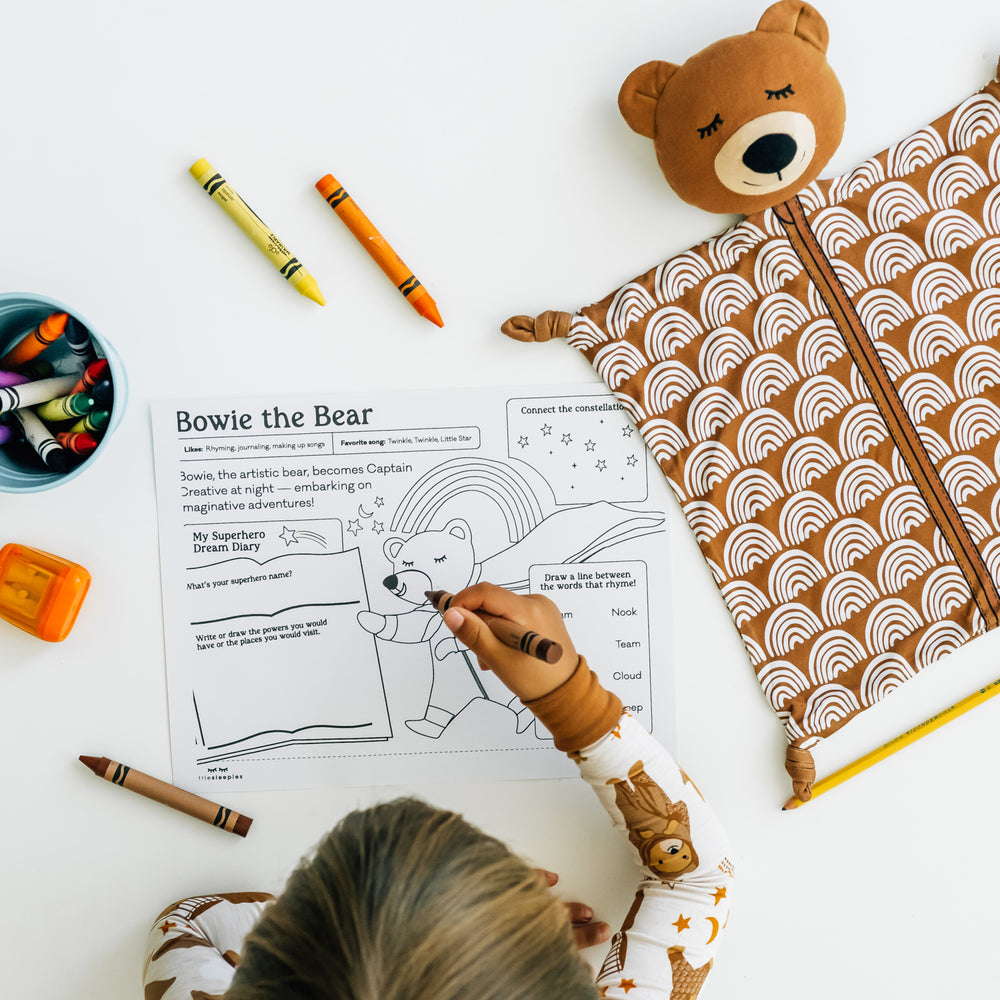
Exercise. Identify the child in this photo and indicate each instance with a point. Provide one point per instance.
(406, 901)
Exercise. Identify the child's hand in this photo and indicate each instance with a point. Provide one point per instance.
(586, 931)
(526, 676)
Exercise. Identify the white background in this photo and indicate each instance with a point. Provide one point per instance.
(485, 141)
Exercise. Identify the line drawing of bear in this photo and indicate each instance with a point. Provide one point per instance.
(446, 558)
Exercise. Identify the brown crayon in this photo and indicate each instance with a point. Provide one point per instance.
(514, 635)
(35, 341)
(168, 795)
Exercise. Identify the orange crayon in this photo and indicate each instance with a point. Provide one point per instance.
(377, 245)
(35, 341)
(168, 795)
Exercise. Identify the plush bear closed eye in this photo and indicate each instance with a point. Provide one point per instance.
(747, 121)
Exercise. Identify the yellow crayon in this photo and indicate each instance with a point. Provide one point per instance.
(222, 193)
(894, 745)
(70, 407)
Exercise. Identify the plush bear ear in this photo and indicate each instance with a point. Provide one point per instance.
(797, 19)
(639, 94)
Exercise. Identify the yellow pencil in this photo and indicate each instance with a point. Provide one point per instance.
(905, 739)
(222, 193)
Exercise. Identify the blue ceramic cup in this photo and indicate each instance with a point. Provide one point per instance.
(19, 313)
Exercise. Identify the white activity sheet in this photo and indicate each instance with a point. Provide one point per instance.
(298, 536)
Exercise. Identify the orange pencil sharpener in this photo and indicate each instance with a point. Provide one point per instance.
(40, 592)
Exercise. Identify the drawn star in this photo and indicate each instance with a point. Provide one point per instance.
(546, 430)
(627, 431)
(354, 527)
(720, 894)
(604, 991)
(590, 445)
(617, 732)
(682, 923)
(167, 926)
(523, 441)
(627, 984)
(378, 527)
(631, 460)
(601, 465)
(379, 502)
(567, 438)
(288, 535)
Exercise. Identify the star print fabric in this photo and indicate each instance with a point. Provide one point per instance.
(669, 939)
(194, 946)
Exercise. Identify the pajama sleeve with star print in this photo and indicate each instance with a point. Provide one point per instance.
(194, 945)
(669, 938)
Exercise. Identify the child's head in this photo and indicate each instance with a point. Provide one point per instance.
(406, 902)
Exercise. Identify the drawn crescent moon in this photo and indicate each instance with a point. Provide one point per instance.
(361, 511)
(715, 929)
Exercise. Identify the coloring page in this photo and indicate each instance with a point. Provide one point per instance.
(299, 537)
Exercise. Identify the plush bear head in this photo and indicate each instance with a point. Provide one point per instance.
(747, 122)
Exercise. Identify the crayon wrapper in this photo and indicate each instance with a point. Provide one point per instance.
(247, 219)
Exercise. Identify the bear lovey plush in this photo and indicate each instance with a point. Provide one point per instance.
(819, 383)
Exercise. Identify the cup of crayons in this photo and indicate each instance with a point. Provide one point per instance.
(62, 393)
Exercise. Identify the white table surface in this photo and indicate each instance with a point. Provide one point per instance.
(485, 141)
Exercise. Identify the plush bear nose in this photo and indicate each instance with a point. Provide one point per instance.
(770, 154)
(391, 582)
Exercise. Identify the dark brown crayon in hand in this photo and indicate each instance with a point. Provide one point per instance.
(169, 795)
(514, 635)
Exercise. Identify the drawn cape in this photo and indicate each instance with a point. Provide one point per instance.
(820, 387)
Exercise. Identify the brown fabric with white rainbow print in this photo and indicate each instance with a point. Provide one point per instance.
(820, 387)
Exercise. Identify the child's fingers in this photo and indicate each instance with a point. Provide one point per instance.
(579, 913)
(475, 611)
(471, 630)
(587, 935)
(491, 599)
(586, 931)
(532, 611)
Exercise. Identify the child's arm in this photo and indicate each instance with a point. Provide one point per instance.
(667, 943)
(194, 946)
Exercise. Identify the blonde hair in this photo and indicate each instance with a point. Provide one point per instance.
(406, 902)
